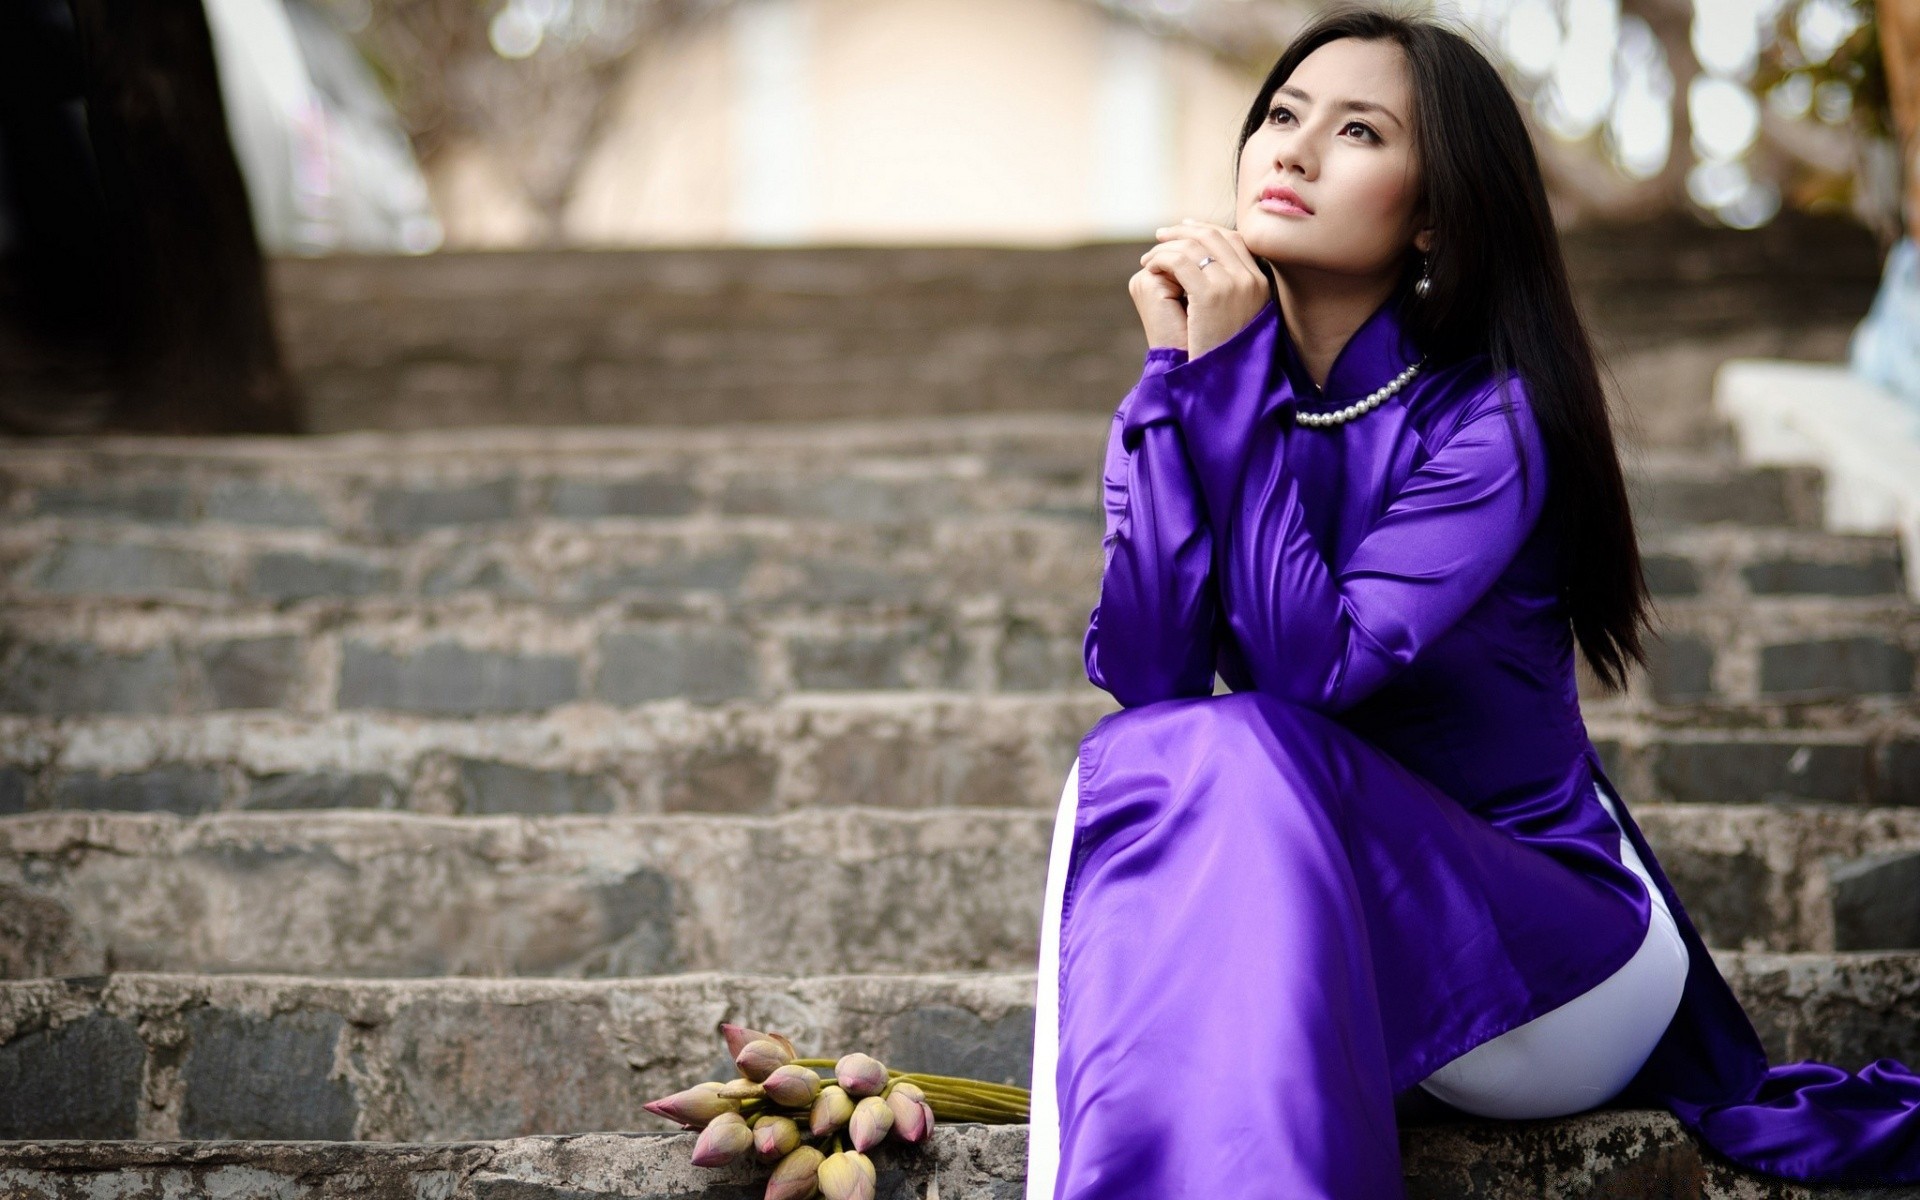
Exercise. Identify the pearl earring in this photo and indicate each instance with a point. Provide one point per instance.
(1424, 284)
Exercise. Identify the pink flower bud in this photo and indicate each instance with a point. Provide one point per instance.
(774, 1136)
(737, 1037)
(871, 1120)
(758, 1058)
(912, 1118)
(832, 1108)
(860, 1074)
(847, 1175)
(694, 1107)
(742, 1089)
(792, 1086)
(797, 1176)
(725, 1138)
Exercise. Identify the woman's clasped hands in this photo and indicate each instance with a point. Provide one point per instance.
(1194, 308)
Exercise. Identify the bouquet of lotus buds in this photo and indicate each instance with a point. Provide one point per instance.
(817, 1131)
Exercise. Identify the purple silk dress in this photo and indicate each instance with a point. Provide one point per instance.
(1287, 904)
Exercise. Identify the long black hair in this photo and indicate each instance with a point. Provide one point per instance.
(1498, 286)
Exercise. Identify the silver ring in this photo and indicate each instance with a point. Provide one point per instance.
(1205, 260)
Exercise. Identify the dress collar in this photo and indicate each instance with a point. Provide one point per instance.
(1376, 352)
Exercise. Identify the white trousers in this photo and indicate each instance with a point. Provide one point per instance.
(1567, 1060)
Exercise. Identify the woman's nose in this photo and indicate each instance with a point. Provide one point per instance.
(1296, 154)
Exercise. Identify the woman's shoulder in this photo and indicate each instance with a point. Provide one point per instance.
(1483, 422)
(1469, 390)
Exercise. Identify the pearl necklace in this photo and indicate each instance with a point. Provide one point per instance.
(1322, 420)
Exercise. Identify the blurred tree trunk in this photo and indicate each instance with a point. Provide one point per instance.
(60, 326)
(201, 355)
(1899, 22)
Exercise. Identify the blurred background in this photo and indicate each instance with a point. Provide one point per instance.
(386, 129)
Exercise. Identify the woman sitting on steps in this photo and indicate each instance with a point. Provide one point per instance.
(1367, 478)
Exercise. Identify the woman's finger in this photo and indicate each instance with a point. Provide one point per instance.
(1231, 269)
(1179, 261)
(1221, 242)
(1228, 268)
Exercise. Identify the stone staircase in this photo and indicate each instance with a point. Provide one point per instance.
(412, 806)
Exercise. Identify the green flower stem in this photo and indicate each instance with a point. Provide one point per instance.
(978, 1101)
(981, 1086)
(941, 1085)
(944, 1097)
(962, 1112)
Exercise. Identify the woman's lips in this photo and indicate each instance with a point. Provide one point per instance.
(1283, 206)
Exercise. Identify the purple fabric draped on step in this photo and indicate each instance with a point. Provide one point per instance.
(1287, 904)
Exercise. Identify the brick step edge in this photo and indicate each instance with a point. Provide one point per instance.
(369, 893)
(1606, 1155)
(157, 1056)
(806, 750)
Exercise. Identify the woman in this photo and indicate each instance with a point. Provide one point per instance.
(1388, 866)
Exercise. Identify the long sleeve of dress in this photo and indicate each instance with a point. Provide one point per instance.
(1151, 635)
(1325, 638)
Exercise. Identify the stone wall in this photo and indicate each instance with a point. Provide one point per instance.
(700, 336)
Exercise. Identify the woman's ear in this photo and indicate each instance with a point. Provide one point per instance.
(1423, 241)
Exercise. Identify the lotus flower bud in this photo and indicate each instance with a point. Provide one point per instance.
(694, 1107)
(912, 1115)
(793, 1086)
(774, 1136)
(783, 1040)
(871, 1120)
(860, 1074)
(847, 1175)
(758, 1058)
(725, 1138)
(797, 1176)
(742, 1089)
(832, 1108)
(907, 1088)
(737, 1037)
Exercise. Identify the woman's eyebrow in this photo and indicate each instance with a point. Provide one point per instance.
(1351, 105)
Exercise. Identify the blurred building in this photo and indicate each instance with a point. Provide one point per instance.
(1014, 121)
(645, 122)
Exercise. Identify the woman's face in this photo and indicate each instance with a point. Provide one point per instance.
(1339, 133)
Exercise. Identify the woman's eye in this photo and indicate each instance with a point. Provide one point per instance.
(1274, 112)
(1357, 125)
(1278, 110)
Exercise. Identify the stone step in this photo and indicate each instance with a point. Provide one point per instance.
(758, 560)
(884, 750)
(772, 565)
(473, 655)
(829, 890)
(157, 1056)
(1734, 564)
(1034, 441)
(1604, 1155)
(374, 487)
(1784, 650)
(773, 561)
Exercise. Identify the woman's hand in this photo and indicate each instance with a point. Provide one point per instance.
(1195, 308)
